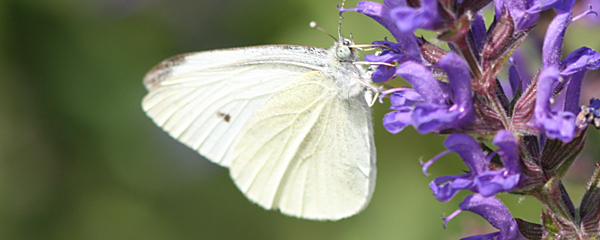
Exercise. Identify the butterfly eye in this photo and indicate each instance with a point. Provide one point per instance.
(347, 42)
(343, 52)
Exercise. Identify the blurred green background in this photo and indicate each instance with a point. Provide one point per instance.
(80, 160)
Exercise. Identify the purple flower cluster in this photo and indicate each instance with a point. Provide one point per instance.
(535, 122)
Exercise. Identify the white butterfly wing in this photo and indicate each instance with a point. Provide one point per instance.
(275, 116)
(204, 99)
(308, 152)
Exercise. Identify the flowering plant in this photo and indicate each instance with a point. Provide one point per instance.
(535, 122)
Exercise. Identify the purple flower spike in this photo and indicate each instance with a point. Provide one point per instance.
(535, 120)
(534, 115)
(496, 213)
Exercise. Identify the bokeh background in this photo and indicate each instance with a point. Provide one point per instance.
(80, 160)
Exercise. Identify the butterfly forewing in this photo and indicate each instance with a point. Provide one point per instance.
(190, 93)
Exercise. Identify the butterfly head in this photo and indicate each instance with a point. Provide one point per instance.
(343, 49)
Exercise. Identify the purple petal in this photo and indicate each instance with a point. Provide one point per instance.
(383, 73)
(460, 81)
(377, 12)
(469, 150)
(436, 115)
(385, 56)
(492, 182)
(594, 106)
(479, 30)
(381, 14)
(408, 19)
(494, 211)
(430, 7)
(551, 51)
(423, 82)
(562, 6)
(519, 61)
(394, 122)
(514, 79)
(392, 52)
(508, 151)
(394, 3)
(489, 182)
(520, 12)
(575, 66)
(560, 126)
(572, 93)
(388, 45)
(446, 187)
(581, 59)
(405, 98)
(526, 12)
(557, 124)
(428, 117)
(489, 236)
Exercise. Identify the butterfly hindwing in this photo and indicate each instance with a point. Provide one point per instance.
(307, 152)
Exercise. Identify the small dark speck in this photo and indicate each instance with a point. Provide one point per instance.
(224, 116)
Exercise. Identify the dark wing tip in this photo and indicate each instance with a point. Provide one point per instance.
(162, 71)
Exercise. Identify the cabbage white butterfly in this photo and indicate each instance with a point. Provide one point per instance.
(292, 123)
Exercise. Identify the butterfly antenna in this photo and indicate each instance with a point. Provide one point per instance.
(314, 25)
(340, 21)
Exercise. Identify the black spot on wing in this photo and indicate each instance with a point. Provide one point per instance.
(226, 117)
